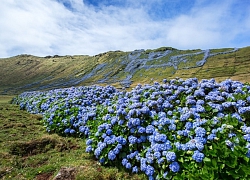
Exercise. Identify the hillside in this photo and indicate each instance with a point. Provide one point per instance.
(122, 69)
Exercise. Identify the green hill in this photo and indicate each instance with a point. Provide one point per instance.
(122, 69)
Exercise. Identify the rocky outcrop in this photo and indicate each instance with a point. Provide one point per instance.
(66, 173)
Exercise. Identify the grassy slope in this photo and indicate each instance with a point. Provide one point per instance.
(235, 66)
(27, 72)
(28, 152)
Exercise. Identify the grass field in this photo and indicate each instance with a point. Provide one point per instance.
(27, 151)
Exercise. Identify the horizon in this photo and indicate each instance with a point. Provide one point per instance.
(76, 27)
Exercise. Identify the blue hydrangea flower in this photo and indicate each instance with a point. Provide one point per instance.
(160, 160)
(66, 131)
(247, 137)
(211, 137)
(165, 174)
(150, 129)
(157, 154)
(170, 156)
(89, 149)
(111, 155)
(72, 131)
(185, 116)
(243, 110)
(97, 152)
(149, 170)
(128, 165)
(124, 162)
(141, 129)
(121, 140)
(132, 139)
(198, 156)
(248, 154)
(172, 127)
(160, 137)
(102, 160)
(248, 99)
(200, 131)
(174, 167)
(135, 169)
(199, 146)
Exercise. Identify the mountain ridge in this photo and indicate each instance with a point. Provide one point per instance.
(122, 69)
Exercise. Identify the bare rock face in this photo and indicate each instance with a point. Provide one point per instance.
(66, 173)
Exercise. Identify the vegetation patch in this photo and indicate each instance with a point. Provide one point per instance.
(40, 146)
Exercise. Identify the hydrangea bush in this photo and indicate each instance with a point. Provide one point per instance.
(180, 129)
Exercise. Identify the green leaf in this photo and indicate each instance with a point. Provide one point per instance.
(214, 163)
(181, 159)
(215, 110)
(206, 159)
(232, 161)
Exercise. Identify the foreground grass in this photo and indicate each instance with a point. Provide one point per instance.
(27, 151)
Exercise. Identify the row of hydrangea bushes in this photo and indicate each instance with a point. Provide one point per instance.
(179, 129)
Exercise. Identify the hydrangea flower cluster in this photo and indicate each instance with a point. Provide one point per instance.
(67, 110)
(179, 128)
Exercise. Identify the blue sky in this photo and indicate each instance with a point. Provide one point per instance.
(88, 27)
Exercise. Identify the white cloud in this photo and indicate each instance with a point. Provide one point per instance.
(47, 27)
(204, 27)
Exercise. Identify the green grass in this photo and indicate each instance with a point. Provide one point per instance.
(220, 50)
(27, 151)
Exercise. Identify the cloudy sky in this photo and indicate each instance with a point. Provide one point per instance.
(89, 27)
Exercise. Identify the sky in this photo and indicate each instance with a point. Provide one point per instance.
(90, 27)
